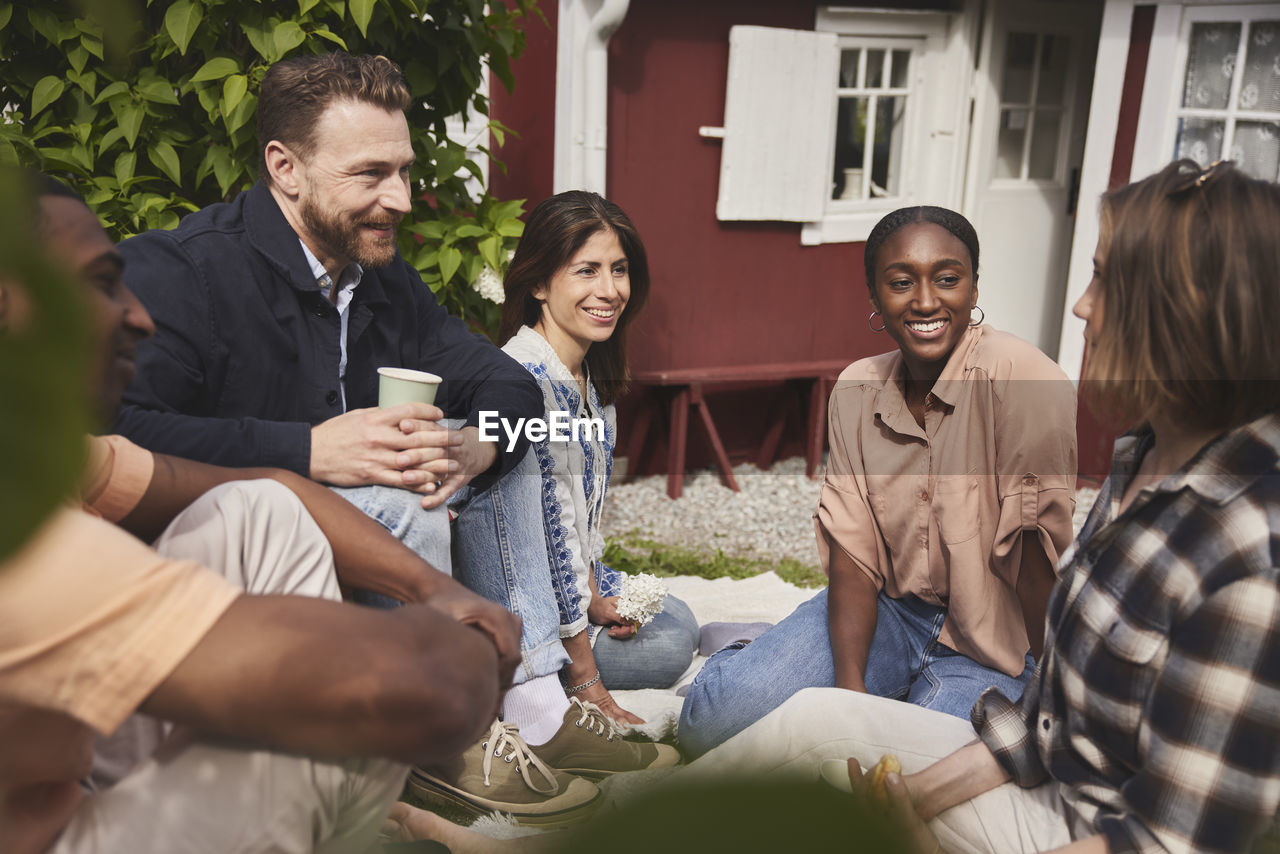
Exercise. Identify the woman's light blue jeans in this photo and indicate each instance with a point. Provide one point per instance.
(656, 657)
(741, 684)
(497, 548)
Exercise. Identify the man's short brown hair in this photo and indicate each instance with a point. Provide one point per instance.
(297, 91)
(1190, 308)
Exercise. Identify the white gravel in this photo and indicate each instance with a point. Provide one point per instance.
(771, 517)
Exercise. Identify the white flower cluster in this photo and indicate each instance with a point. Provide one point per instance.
(642, 598)
(489, 285)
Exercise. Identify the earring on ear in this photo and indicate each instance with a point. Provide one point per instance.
(880, 328)
(982, 315)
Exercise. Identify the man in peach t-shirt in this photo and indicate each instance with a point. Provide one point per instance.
(288, 719)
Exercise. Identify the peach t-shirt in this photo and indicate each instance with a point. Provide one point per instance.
(941, 511)
(91, 621)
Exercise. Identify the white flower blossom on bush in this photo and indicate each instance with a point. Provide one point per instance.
(642, 598)
(489, 285)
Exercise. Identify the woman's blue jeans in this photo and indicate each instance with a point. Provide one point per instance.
(741, 684)
(497, 548)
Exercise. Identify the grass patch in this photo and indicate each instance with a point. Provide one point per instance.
(634, 555)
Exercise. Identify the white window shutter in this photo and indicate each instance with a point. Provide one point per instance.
(779, 118)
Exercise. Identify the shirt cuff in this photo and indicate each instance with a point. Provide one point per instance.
(1000, 724)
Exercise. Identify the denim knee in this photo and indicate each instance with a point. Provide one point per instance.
(655, 658)
(400, 511)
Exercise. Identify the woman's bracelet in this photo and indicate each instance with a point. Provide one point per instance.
(569, 692)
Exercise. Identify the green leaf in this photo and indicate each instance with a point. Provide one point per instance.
(470, 230)
(225, 169)
(450, 260)
(88, 81)
(126, 163)
(8, 153)
(432, 229)
(110, 138)
(6, 12)
(158, 91)
(287, 36)
(510, 228)
(262, 43)
(491, 250)
(129, 115)
(45, 22)
(93, 45)
(448, 162)
(111, 90)
(48, 90)
(305, 6)
(233, 89)
(166, 160)
(241, 115)
(81, 153)
(361, 11)
(327, 35)
(181, 23)
(78, 56)
(216, 69)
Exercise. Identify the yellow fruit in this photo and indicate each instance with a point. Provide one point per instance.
(887, 764)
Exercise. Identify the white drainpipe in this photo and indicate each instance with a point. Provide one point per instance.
(604, 24)
(582, 92)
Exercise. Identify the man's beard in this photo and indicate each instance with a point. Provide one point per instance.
(345, 238)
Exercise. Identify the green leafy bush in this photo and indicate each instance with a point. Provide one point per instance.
(163, 124)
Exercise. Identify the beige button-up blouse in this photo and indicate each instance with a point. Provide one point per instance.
(940, 512)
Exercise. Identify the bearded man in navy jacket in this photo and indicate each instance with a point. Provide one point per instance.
(273, 313)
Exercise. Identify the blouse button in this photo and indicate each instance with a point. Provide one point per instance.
(1029, 479)
(331, 398)
(1044, 723)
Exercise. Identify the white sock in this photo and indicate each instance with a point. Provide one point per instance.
(537, 707)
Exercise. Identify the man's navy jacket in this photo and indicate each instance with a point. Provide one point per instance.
(245, 356)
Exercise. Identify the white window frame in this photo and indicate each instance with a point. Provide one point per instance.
(933, 132)
(1157, 135)
(1232, 114)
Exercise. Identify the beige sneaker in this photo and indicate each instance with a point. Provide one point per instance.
(501, 774)
(589, 744)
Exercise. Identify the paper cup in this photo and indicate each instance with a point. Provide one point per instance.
(403, 385)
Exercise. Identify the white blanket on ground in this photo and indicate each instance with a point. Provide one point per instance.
(764, 597)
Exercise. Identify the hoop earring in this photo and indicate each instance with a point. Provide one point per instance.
(872, 328)
(982, 316)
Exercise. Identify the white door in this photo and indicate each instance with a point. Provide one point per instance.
(1030, 112)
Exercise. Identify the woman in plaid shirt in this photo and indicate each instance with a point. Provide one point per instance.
(1155, 716)
(1153, 721)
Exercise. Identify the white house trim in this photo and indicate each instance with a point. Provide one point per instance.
(582, 92)
(1152, 148)
(1100, 140)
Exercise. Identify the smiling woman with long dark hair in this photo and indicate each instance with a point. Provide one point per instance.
(948, 498)
(579, 277)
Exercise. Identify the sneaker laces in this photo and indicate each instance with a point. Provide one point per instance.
(593, 719)
(505, 743)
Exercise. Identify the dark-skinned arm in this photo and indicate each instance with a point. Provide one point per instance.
(331, 680)
(851, 619)
(365, 555)
(1035, 580)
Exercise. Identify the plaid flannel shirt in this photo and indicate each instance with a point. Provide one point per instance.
(1156, 706)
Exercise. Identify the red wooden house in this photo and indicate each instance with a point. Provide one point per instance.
(755, 143)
